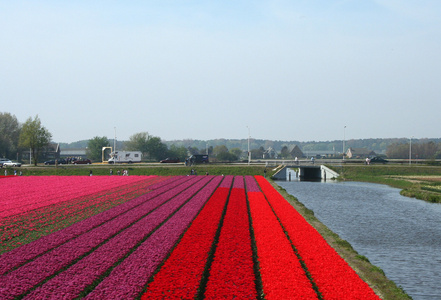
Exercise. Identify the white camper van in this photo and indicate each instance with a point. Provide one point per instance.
(125, 157)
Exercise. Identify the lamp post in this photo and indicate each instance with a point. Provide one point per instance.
(114, 142)
(344, 141)
(249, 153)
(410, 150)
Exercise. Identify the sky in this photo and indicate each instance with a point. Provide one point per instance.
(306, 70)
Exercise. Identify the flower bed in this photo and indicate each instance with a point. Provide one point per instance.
(124, 281)
(334, 278)
(18, 256)
(22, 279)
(37, 192)
(29, 225)
(84, 272)
(191, 254)
(179, 237)
(281, 272)
(231, 273)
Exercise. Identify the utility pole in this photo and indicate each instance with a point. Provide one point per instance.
(344, 140)
(114, 142)
(249, 153)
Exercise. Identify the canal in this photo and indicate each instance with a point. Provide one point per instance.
(400, 235)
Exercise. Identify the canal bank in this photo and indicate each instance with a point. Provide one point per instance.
(420, 182)
(373, 275)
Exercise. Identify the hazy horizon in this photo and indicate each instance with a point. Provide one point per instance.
(245, 139)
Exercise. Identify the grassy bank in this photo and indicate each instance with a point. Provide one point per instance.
(143, 169)
(421, 182)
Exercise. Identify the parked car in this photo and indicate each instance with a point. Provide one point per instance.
(10, 163)
(378, 160)
(170, 160)
(82, 162)
(2, 160)
(61, 161)
(198, 158)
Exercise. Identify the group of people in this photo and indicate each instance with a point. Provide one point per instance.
(15, 173)
(189, 162)
(124, 172)
(194, 172)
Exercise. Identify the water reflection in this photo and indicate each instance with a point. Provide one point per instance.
(398, 234)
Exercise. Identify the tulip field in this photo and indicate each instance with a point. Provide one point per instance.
(159, 237)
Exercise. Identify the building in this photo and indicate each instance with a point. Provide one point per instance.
(269, 153)
(359, 153)
(74, 152)
(295, 151)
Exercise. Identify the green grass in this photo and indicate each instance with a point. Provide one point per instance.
(398, 176)
(141, 169)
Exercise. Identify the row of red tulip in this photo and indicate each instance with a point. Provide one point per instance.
(232, 270)
(334, 278)
(191, 254)
(228, 271)
(282, 274)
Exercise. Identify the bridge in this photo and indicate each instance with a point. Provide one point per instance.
(304, 172)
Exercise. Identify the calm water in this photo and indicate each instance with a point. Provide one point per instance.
(400, 235)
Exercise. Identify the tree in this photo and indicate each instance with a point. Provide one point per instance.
(236, 151)
(150, 146)
(398, 150)
(193, 150)
(179, 152)
(156, 149)
(426, 150)
(219, 150)
(95, 147)
(34, 136)
(9, 135)
(139, 142)
(226, 156)
(257, 153)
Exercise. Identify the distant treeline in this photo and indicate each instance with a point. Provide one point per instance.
(421, 150)
(392, 147)
(377, 145)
